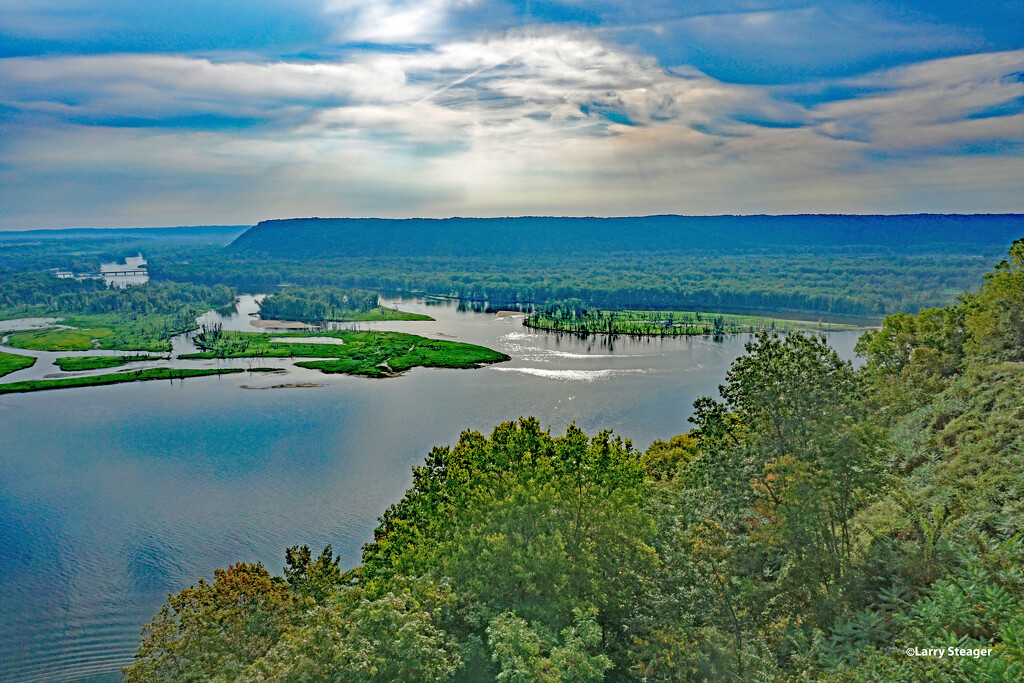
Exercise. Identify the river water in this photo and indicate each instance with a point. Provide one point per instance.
(112, 497)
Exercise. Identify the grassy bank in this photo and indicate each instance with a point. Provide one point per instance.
(12, 362)
(116, 378)
(369, 354)
(666, 323)
(80, 363)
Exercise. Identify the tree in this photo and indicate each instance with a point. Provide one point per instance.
(523, 522)
(528, 655)
(315, 579)
(995, 316)
(211, 631)
(788, 459)
(355, 639)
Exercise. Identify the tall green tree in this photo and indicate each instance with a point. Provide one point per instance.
(789, 458)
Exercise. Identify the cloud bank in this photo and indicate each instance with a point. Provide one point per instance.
(541, 119)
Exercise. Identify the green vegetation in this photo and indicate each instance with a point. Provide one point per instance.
(383, 313)
(532, 235)
(59, 339)
(576, 317)
(137, 332)
(370, 354)
(851, 269)
(138, 318)
(12, 362)
(81, 363)
(318, 305)
(817, 523)
(114, 378)
(838, 286)
(106, 331)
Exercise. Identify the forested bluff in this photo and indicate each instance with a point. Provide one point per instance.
(817, 523)
(843, 266)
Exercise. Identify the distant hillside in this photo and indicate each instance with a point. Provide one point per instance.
(208, 234)
(466, 237)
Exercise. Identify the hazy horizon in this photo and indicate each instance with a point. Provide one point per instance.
(212, 226)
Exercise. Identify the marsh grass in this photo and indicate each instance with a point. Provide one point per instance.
(12, 362)
(369, 354)
(80, 363)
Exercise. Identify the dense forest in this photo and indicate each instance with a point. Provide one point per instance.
(817, 523)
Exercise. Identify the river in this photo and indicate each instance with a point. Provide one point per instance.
(112, 497)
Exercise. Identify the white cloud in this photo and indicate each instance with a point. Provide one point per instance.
(391, 21)
(932, 103)
(521, 123)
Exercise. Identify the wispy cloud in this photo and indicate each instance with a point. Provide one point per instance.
(945, 102)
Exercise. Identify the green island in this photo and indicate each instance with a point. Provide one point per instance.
(82, 363)
(369, 354)
(576, 317)
(113, 378)
(819, 522)
(12, 362)
(318, 305)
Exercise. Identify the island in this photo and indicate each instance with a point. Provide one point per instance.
(320, 305)
(576, 317)
(351, 352)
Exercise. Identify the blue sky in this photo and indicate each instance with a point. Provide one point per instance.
(158, 113)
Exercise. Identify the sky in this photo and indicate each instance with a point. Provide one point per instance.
(200, 112)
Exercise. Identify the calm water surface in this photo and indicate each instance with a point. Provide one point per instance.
(112, 497)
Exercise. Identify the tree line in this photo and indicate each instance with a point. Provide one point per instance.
(855, 286)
